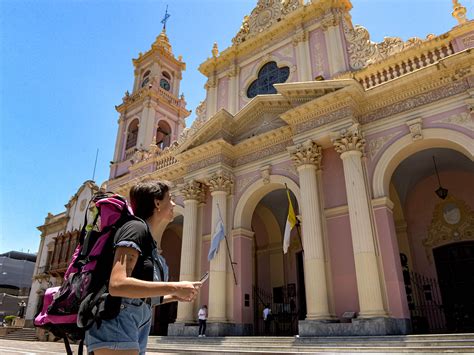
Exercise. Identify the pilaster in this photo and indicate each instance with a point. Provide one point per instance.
(211, 87)
(307, 159)
(332, 34)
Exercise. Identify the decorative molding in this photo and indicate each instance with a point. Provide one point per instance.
(453, 221)
(305, 153)
(241, 184)
(193, 190)
(363, 52)
(415, 126)
(271, 150)
(265, 172)
(220, 181)
(265, 14)
(463, 119)
(324, 119)
(348, 139)
(412, 102)
(378, 143)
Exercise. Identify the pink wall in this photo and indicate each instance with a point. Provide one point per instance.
(392, 269)
(419, 208)
(244, 275)
(342, 264)
(333, 179)
(222, 96)
(318, 54)
(461, 43)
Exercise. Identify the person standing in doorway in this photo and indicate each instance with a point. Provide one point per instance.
(202, 316)
(267, 318)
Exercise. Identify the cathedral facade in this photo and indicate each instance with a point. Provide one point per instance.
(373, 141)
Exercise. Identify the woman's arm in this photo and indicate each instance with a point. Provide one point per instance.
(122, 284)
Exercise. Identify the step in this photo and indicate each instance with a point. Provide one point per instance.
(454, 343)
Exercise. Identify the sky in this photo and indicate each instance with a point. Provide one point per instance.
(65, 64)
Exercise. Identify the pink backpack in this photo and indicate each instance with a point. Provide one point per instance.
(69, 310)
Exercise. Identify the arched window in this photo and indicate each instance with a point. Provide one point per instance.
(163, 135)
(146, 78)
(166, 75)
(267, 76)
(132, 134)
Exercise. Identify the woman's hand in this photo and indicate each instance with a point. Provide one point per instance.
(187, 291)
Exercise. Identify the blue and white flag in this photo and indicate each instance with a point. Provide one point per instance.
(219, 235)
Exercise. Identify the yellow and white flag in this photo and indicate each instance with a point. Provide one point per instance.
(290, 224)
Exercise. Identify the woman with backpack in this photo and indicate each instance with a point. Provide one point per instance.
(139, 274)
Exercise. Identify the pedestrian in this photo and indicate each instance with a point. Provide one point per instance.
(139, 274)
(202, 315)
(21, 309)
(267, 318)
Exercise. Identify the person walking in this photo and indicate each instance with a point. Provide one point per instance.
(202, 316)
(139, 274)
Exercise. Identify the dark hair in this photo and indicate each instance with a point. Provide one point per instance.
(144, 194)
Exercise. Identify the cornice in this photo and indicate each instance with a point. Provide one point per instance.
(263, 141)
(205, 151)
(292, 21)
(155, 96)
(257, 106)
(222, 121)
(349, 96)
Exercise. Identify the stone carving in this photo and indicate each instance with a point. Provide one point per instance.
(322, 120)
(453, 220)
(243, 183)
(376, 144)
(468, 41)
(274, 149)
(265, 14)
(331, 18)
(221, 181)
(349, 139)
(192, 190)
(463, 119)
(415, 127)
(362, 51)
(419, 100)
(269, 122)
(307, 152)
(265, 173)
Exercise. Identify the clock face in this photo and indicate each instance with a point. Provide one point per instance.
(165, 84)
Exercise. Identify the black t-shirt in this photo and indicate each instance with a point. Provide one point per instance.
(136, 234)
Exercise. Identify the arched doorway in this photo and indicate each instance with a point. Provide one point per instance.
(429, 233)
(263, 209)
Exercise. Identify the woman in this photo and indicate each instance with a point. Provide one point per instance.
(137, 264)
(202, 316)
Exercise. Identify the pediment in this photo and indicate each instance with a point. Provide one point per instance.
(260, 115)
(219, 126)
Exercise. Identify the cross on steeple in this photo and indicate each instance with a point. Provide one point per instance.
(165, 18)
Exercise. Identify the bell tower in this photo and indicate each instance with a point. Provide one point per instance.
(154, 113)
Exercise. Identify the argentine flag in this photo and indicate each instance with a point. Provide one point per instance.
(219, 235)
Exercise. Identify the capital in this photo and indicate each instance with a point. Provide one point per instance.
(348, 139)
(193, 190)
(221, 181)
(307, 152)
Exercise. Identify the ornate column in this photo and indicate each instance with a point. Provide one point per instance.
(192, 192)
(350, 144)
(307, 158)
(332, 35)
(198, 272)
(220, 185)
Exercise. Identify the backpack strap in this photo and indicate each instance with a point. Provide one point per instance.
(67, 346)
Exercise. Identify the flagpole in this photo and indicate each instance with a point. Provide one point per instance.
(227, 245)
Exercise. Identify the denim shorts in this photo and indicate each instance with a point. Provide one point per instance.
(128, 331)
